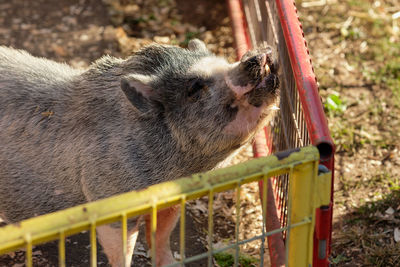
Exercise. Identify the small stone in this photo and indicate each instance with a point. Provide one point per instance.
(389, 211)
(84, 37)
(396, 234)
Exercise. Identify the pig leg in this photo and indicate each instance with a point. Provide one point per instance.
(111, 240)
(166, 221)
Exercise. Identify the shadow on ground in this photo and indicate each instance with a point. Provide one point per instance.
(369, 232)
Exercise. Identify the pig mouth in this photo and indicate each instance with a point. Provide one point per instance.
(264, 91)
(255, 101)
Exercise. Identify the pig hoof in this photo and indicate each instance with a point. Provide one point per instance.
(165, 263)
(166, 260)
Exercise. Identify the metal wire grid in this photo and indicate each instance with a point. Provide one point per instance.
(288, 129)
(65, 223)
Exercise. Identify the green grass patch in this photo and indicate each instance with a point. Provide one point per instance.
(335, 104)
(339, 259)
(226, 260)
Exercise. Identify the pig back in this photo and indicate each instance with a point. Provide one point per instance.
(33, 97)
(69, 136)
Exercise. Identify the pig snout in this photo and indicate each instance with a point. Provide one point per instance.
(254, 78)
(255, 67)
(254, 82)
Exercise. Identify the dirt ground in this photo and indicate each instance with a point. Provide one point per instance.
(356, 54)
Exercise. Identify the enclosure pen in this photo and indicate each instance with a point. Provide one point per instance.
(293, 167)
(308, 190)
(300, 120)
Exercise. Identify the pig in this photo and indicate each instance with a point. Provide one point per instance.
(70, 136)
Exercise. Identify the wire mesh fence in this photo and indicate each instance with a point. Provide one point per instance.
(294, 179)
(307, 190)
(288, 129)
(300, 120)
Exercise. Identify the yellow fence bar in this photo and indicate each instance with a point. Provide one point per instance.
(28, 240)
(323, 188)
(264, 218)
(182, 230)
(305, 195)
(153, 221)
(61, 249)
(93, 245)
(307, 192)
(124, 223)
(210, 226)
(237, 224)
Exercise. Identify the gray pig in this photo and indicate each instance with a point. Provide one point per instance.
(70, 136)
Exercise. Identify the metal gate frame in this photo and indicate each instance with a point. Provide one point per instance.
(314, 231)
(308, 190)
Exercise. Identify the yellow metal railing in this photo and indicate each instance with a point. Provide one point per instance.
(307, 191)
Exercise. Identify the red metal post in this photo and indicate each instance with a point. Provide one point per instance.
(317, 126)
(307, 87)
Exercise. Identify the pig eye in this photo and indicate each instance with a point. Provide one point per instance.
(196, 87)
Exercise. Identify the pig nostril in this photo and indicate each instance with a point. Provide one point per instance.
(254, 66)
(254, 61)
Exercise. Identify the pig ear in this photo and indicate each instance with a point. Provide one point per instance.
(138, 91)
(197, 45)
